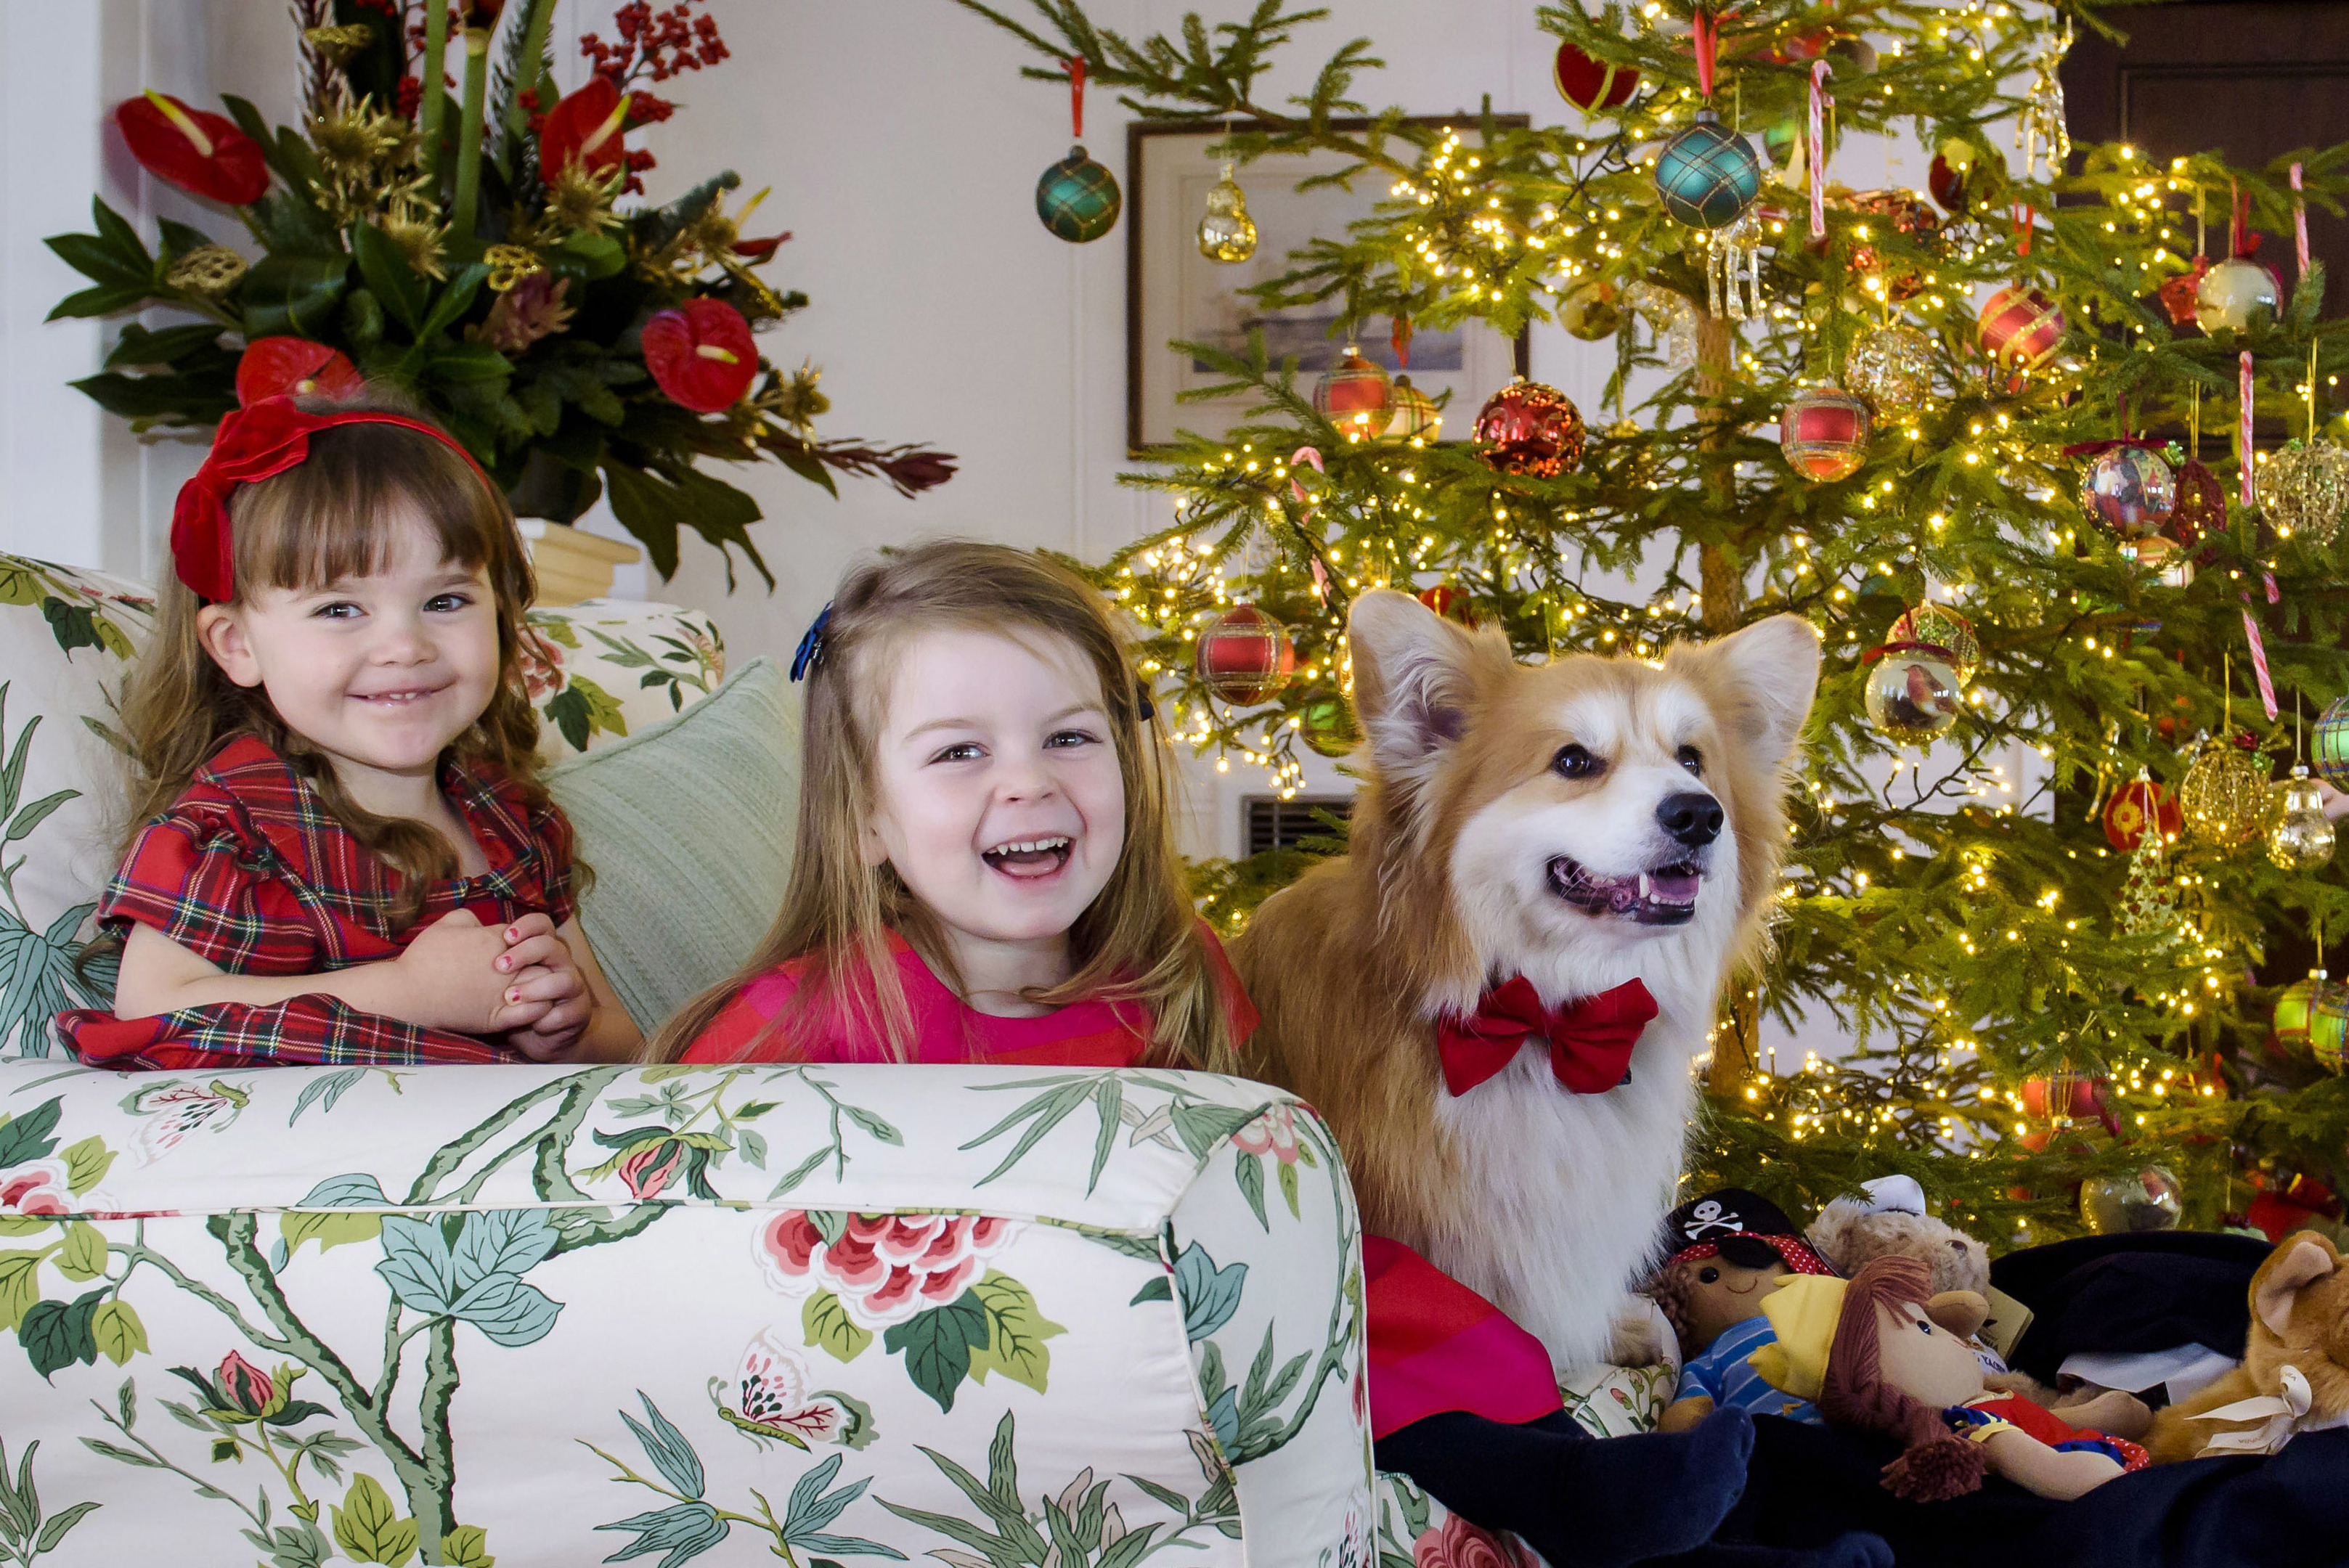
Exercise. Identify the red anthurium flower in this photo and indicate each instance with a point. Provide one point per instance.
(585, 128)
(295, 367)
(701, 354)
(196, 151)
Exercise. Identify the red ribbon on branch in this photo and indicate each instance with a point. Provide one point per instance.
(1077, 96)
(1819, 72)
(2023, 214)
(2097, 448)
(1706, 29)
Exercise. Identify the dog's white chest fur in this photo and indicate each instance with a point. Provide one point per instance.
(1551, 1205)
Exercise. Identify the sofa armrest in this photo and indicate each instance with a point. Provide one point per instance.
(846, 1311)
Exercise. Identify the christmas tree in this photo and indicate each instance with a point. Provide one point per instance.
(2051, 979)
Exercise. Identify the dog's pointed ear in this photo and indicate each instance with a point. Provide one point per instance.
(2285, 1275)
(1767, 674)
(1411, 678)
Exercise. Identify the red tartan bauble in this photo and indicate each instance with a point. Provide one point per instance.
(1355, 396)
(194, 150)
(2021, 327)
(701, 354)
(1825, 433)
(294, 367)
(2137, 805)
(1245, 657)
(2061, 1097)
(1529, 429)
(1591, 85)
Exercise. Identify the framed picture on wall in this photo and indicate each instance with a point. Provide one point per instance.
(1175, 294)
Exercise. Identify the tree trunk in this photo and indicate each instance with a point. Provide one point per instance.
(1736, 1040)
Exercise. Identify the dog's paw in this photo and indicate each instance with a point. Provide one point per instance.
(1639, 1334)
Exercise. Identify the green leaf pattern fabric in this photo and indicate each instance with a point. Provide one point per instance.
(545, 1315)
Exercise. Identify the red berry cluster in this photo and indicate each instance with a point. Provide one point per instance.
(654, 47)
(654, 44)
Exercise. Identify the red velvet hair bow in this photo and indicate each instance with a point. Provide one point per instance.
(254, 444)
(1590, 1039)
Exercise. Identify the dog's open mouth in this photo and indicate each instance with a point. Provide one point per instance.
(1664, 895)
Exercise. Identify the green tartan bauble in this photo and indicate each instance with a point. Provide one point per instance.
(1707, 174)
(1078, 198)
(2328, 745)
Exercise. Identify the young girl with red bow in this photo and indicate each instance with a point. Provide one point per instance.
(344, 853)
(985, 869)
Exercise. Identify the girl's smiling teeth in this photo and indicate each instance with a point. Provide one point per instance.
(1037, 857)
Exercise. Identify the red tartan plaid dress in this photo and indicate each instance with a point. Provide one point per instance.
(249, 871)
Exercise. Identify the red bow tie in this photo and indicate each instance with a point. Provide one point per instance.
(1590, 1039)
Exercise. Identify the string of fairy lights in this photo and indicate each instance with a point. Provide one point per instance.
(1481, 228)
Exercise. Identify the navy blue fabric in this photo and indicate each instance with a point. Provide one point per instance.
(2150, 1291)
(1807, 1485)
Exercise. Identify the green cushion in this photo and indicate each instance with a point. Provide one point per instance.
(688, 826)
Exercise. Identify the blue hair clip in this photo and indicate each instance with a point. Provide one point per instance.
(811, 646)
(1144, 708)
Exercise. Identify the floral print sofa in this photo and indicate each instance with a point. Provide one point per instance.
(543, 1315)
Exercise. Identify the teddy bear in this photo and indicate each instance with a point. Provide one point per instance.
(1890, 1221)
(2295, 1372)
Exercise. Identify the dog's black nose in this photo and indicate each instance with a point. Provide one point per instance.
(1689, 817)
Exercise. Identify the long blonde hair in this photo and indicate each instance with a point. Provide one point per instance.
(1139, 941)
(332, 516)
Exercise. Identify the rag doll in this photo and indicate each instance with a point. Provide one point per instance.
(1880, 1353)
(1890, 1221)
(1724, 1253)
(2295, 1372)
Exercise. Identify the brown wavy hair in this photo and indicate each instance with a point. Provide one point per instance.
(1935, 1463)
(335, 515)
(1139, 941)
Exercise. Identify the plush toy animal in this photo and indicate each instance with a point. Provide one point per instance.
(1573, 855)
(1879, 1353)
(2295, 1373)
(1890, 1222)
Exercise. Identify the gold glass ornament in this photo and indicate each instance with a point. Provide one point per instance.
(2225, 795)
(1892, 368)
(1912, 692)
(2304, 489)
(1945, 628)
(1227, 234)
(2145, 1200)
(2303, 835)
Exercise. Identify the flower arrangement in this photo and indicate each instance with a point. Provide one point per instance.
(483, 255)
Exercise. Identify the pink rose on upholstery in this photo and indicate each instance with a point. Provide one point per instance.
(885, 1268)
(1460, 1544)
(542, 664)
(1273, 1133)
(37, 1189)
(648, 1170)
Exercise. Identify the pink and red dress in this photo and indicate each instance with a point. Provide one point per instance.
(249, 871)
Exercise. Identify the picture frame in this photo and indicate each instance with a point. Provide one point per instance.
(1173, 294)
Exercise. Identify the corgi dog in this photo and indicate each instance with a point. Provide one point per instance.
(1582, 824)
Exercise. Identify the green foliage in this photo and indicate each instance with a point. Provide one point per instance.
(358, 250)
(1960, 925)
